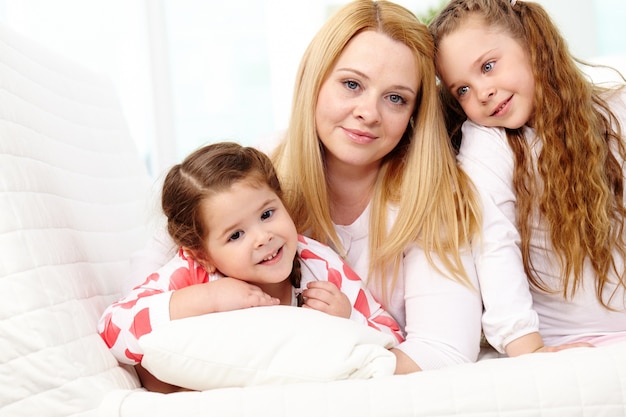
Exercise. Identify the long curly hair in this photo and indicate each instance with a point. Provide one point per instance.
(580, 190)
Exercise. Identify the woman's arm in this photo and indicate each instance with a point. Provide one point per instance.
(443, 316)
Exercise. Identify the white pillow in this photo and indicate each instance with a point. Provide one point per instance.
(265, 345)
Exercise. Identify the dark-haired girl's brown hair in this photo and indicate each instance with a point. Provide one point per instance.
(205, 172)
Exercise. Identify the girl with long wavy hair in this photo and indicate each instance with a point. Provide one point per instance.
(545, 146)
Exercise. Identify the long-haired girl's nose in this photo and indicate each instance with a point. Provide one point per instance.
(486, 93)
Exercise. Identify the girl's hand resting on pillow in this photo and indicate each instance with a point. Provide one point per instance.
(326, 297)
(224, 294)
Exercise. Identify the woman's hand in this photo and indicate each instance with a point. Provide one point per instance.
(326, 297)
(224, 294)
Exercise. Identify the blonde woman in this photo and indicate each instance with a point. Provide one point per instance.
(367, 167)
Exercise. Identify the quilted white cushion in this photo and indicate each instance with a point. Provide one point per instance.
(72, 198)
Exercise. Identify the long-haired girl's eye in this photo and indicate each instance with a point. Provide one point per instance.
(462, 91)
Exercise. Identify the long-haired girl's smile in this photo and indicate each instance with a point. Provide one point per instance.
(502, 109)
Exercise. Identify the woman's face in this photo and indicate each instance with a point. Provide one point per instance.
(365, 103)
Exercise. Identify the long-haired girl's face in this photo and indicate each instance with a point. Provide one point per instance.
(251, 235)
(489, 73)
(365, 103)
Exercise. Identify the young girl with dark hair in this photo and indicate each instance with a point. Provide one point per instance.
(238, 248)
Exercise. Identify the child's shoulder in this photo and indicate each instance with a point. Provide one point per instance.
(478, 138)
(305, 242)
(313, 250)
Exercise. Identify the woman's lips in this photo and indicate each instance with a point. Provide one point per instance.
(359, 136)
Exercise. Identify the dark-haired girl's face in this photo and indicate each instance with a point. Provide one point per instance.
(251, 235)
(489, 73)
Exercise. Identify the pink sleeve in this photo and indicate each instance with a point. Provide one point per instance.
(324, 264)
(146, 307)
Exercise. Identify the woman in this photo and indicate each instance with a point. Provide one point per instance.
(367, 167)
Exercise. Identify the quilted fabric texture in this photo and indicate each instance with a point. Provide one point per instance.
(585, 382)
(72, 202)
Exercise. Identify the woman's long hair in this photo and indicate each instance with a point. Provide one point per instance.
(437, 208)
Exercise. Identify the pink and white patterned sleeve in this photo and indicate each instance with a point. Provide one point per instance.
(319, 262)
(146, 307)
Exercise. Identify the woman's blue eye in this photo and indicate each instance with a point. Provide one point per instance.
(267, 214)
(488, 66)
(235, 236)
(352, 85)
(462, 91)
(397, 99)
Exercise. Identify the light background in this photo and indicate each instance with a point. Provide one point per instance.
(190, 72)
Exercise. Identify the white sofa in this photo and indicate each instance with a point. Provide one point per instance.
(73, 204)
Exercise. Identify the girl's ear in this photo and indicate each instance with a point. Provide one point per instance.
(202, 258)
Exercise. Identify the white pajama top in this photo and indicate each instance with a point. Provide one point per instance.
(487, 158)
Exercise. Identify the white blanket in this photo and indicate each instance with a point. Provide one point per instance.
(576, 383)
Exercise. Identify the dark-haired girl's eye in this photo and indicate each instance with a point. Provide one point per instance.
(267, 214)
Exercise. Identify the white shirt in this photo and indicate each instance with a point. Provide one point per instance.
(487, 158)
(441, 317)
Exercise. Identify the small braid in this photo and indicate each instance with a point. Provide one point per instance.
(296, 278)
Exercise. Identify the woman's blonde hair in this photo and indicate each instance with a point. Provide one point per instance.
(582, 185)
(437, 208)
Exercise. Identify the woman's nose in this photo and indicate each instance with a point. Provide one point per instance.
(367, 109)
